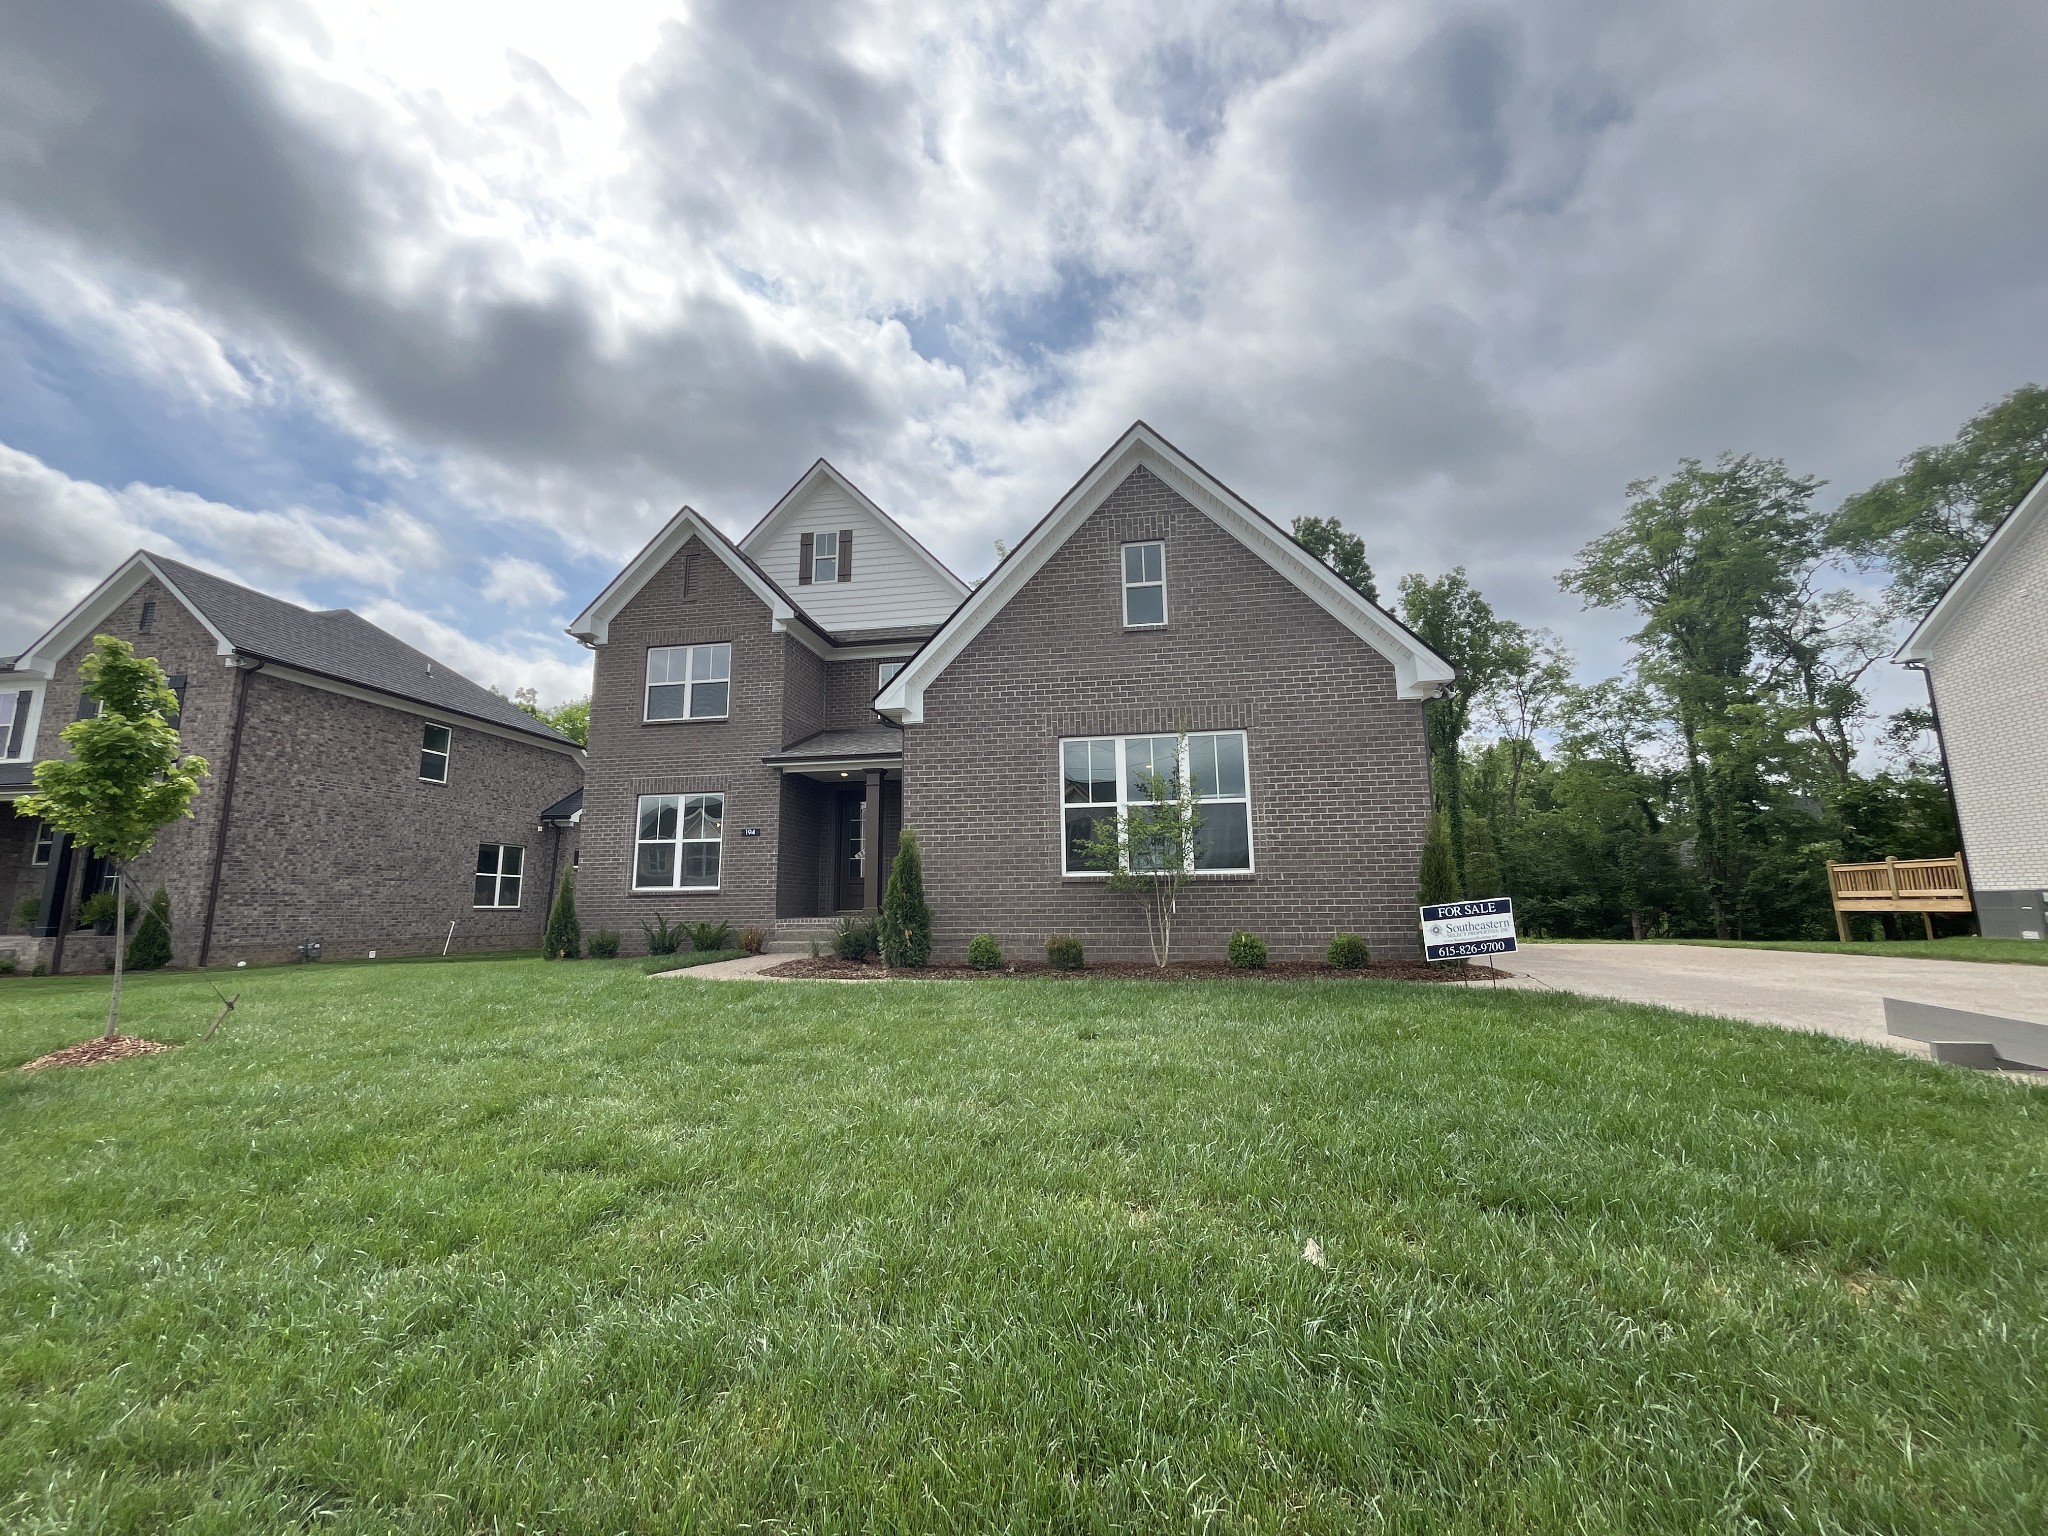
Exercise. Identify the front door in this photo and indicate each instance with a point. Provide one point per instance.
(851, 854)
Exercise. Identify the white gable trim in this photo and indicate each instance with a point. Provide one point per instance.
(1919, 647)
(593, 624)
(763, 532)
(41, 658)
(1419, 672)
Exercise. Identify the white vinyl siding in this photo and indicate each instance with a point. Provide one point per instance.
(891, 583)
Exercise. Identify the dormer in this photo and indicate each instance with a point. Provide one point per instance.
(847, 563)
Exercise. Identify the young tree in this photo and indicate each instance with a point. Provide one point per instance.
(1341, 550)
(1925, 522)
(1148, 852)
(1453, 620)
(564, 937)
(1535, 675)
(151, 948)
(124, 781)
(906, 926)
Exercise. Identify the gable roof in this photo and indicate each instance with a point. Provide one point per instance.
(333, 643)
(1418, 671)
(2005, 538)
(593, 624)
(823, 473)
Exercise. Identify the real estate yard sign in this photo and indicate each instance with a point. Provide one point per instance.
(1458, 930)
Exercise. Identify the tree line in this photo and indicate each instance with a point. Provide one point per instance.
(1702, 789)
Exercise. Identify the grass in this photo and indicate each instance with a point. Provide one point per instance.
(513, 1245)
(655, 964)
(1962, 947)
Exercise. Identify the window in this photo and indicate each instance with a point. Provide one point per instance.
(46, 843)
(689, 682)
(499, 867)
(885, 672)
(825, 557)
(148, 619)
(14, 721)
(434, 743)
(677, 846)
(1106, 775)
(176, 683)
(1144, 585)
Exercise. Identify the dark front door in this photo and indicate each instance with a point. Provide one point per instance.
(851, 851)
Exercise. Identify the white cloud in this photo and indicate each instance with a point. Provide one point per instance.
(551, 666)
(521, 583)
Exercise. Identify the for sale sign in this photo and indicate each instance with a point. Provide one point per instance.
(1458, 930)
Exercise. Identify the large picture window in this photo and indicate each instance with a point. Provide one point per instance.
(678, 842)
(1107, 775)
(500, 870)
(689, 682)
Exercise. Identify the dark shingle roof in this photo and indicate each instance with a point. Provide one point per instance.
(565, 808)
(342, 645)
(877, 740)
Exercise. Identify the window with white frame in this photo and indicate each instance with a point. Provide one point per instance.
(689, 682)
(678, 842)
(14, 707)
(46, 843)
(435, 741)
(885, 672)
(1144, 585)
(500, 870)
(825, 556)
(1104, 776)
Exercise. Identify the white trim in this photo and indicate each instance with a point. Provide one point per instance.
(1419, 672)
(498, 877)
(31, 723)
(450, 717)
(593, 624)
(677, 842)
(41, 658)
(689, 684)
(763, 531)
(1121, 805)
(1123, 563)
(446, 754)
(842, 765)
(1919, 646)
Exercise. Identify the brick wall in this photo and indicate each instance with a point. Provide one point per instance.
(629, 758)
(1339, 784)
(850, 693)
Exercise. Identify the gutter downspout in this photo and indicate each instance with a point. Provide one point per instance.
(227, 805)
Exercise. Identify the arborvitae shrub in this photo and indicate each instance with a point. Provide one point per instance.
(1063, 953)
(1247, 951)
(1439, 882)
(564, 937)
(1348, 952)
(984, 953)
(150, 949)
(906, 927)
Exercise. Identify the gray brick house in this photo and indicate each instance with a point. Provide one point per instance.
(768, 715)
(361, 792)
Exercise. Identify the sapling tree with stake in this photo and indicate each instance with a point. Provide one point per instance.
(124, 781)
(1148, 850)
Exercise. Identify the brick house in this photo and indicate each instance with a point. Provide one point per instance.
(1992, 708)
(767, 713)
(361, 793)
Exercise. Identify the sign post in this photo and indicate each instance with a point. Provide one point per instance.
(1460, 930)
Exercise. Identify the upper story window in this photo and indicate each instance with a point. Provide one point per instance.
(14, 708)
(500, 869)
(825, 557)
(1144, 585)
(435, 740)
(689, 682)
(885, 672)
(1107, 775)
(148, 620)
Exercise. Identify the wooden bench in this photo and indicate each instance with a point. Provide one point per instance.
(1926, 886)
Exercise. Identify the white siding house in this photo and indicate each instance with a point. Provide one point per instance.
(1984, 648)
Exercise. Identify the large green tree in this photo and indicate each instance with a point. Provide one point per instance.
(124, 781)
(1451, 617)
(1924, 523)
(1340, 549)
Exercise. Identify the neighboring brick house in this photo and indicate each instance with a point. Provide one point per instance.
(742, 761)
(1980, 649)
(360, 793)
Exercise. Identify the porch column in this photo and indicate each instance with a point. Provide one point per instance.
(871, 844)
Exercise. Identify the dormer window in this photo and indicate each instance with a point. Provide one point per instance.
(825, 557)
(1144, 585)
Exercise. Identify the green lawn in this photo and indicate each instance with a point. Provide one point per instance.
(497, 1245)
(2000, 951)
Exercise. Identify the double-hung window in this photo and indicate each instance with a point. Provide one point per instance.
(678, 843)
(1104, 776)
(825, 557)
(435, 741)
(689, 682)
(499, 871)
(46, 843)
(1144, 585)
(14, 708)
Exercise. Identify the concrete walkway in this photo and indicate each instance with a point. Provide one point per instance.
(1833, 994)
(746, 967)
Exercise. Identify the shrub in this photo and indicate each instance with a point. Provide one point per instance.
(855, 938)
(753, 940)
(99, 910)
(42, 968)
(1063, 952)
(1247, 951)
(8, 965)
(661, 938)
(1348, 952)
(28, 912)
(707, 936)
(564, 937)
(984, 953)
(604, 944)
(905, 931)
(150, 949)
(1439, 879)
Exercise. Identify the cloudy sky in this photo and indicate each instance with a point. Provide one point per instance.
(437, 310)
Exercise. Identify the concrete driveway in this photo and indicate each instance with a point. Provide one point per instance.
(1834, 994)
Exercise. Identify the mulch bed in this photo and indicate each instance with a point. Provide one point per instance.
(93, 1053)
(827, 968)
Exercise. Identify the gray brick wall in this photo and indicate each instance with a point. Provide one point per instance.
(1339, 785)
(629, 758)
(850, 693)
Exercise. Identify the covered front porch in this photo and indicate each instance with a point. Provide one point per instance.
(842, 813)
